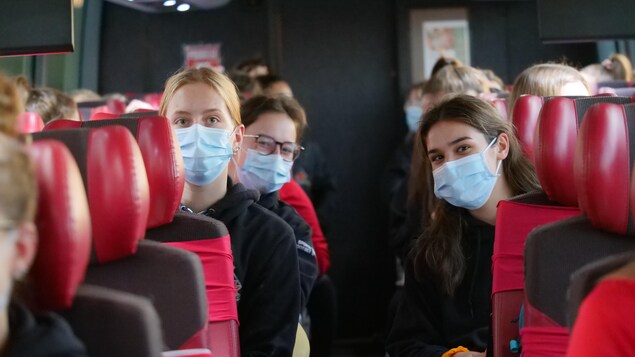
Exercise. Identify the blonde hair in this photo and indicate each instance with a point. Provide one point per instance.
(18, 185)
(545, 79)
(621, 67)
(218, 81)
(11, 106)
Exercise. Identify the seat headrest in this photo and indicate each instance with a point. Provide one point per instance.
(117, 187)
(501, 106)
(162, 157)
(103, 116)
(525, 118)
(555, 142)
(64, 226)
(603, 167)
(30, 122)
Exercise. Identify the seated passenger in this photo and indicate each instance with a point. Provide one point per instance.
(604, 323)
(473, 161)
(273, 128)
(548, 79)
(204, 110)
(11, 106)
(22, 333)
(273, 85)
(51, 104)
(615, 68)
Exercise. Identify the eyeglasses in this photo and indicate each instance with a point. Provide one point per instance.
(266, 145)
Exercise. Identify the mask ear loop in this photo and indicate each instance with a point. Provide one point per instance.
(497, 173)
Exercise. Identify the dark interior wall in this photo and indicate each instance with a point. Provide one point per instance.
(140, 51)
(340, 59)
(504, 37)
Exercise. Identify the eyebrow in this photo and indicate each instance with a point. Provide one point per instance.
(204, 112)
(453, 142)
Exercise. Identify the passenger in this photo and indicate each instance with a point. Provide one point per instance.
(615, 68)
(273, 128)
(473, 161)
(254, 67)
(11, 106)
(248, 87)
(547, 79)
(402, 178)
(273, 85)
(204, 110)
(84, 95)
(51, 104)
(604, 323)
(311, 170)
(21, 332)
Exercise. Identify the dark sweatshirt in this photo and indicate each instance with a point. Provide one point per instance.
(428, 322)
(266, 272)
(306, 254)
(46, 335)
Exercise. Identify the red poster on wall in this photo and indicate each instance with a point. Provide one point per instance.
(204, 55)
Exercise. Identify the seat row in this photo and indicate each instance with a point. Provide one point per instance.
(580, 148)
(130, 275)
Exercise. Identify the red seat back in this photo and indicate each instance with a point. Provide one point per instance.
(603, 180)
(30, 122)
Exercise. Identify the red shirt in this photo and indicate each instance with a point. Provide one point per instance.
(604, 326)
(293, 195)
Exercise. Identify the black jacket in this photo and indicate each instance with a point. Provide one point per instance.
(306, 254)
(45, 335)
(266, 269)
(429, 322)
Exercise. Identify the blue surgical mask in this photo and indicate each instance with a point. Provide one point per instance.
(206, 152)
(466, 182)
(265, 173)
(413, 117)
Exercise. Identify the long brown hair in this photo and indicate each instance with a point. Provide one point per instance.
(438, 250)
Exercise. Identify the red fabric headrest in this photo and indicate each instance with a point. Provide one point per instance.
(555, 142)
(117, 186)
(117, 191)
(603, 167)
(103, 116)
(30, 122)
(501, 106)
(162, 157)
(554, 149)
(63, 222)
(525, 118)
(62, 124)
(164, 165)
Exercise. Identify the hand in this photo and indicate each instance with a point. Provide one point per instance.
(469, 354)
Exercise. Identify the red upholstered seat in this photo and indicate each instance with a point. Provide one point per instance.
(30, 122)
(603, 178)
(64, 226)
(501, 106)
(206, 237)
(556, 126)
(525, 118)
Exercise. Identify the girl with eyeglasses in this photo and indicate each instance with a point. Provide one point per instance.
(273, 127)
(204, 110)
(470, 161)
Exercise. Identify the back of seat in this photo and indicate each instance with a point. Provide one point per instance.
(525, 118)
(112, 167)
(63, 222)
(557, 126)
(206, 237)
(603, 163)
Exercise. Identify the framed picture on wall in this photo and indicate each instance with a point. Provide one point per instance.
(435, 33)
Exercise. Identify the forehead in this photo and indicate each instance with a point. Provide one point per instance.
(277, 125)
(445, 132)
(196, 97)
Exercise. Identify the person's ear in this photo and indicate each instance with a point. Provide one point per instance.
(502, 146)
(239, 135)
(25, 249)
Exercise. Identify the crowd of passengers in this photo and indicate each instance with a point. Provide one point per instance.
(249, 164)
